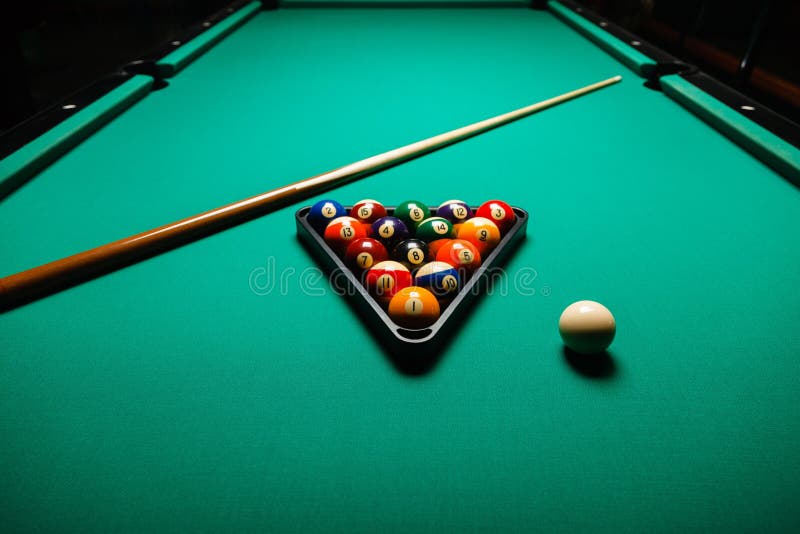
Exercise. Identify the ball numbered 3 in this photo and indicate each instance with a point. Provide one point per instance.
(499, 213)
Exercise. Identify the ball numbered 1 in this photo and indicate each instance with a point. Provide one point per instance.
(434, 228)
(455, 211)
(363, 253)
(412, 212)
(499, 213)
(481, 232)
(439, 277)
(390, 231)
(460, 254)
(386, 278)
(368, 211)
(414, 307)
(341, 231)
(412, 253)
(323, 212)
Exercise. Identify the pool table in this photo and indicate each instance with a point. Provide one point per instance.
(224, 386)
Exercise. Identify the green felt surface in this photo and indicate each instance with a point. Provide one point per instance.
(175, 395)
(39, 153)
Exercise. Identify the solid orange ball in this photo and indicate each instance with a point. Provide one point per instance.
(460, 254)
(414, 307)
(481, 232)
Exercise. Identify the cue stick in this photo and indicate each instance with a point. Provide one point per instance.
(20, 288)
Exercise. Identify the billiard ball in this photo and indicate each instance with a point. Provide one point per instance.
(323, 212)
(341, 231)
(481, 232)
(390, 231)
(587, 327)
(460, 254)
(435, 245)
(364, 252)
(412, 253)
(455, 211)
(439, 277)
(414, 307)
(386, 278)
(368, 211)
(434, 228)
(499, 213)
(412, 212)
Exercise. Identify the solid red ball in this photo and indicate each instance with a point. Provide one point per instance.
(499, 213)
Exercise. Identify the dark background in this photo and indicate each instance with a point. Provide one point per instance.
(52, 48)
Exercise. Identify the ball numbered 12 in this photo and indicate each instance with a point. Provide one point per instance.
(455, 211)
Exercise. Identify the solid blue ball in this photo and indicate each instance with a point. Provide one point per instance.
(324, 212)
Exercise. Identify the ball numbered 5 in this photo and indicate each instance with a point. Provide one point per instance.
(460, 254)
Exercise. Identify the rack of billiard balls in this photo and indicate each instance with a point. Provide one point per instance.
(412, 262)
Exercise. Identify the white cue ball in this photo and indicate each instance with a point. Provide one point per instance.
(587, 327)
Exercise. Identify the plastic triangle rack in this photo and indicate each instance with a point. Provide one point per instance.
(412, 351)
